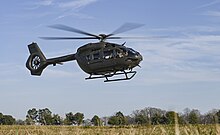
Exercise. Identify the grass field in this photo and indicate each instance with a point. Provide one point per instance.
(125, 130)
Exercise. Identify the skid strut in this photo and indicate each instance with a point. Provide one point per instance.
(110, 75)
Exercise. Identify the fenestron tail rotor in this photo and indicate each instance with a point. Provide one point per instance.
(102, 37)
(35, 62)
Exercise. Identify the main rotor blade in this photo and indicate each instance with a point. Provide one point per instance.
(71, 29)
(126, 37)
(66, 38)
(125, 27)
(150, 37)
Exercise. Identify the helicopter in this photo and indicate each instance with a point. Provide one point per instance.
(100, 60)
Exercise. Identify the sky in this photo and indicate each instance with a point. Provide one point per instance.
(179, 71)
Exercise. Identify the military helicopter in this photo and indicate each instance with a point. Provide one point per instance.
(100, 60)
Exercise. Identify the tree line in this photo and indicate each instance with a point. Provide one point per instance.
(146, 116)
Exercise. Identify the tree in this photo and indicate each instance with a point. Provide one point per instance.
(149, 115)
(96, 121)
(194, 117)
(208, 119)
(78, 118)
(69, 120)
(45, 116)
(6, 119)
(74, 119)
(57, 120)
(170, 117)
(117, 119)
(191, 116)
(141, 119)
(113, 120)
(122, 119)
(218, 116)
(1, 119)
(181, 119)
(157, 118)
(31, 117)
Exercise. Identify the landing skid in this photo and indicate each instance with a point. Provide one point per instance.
(110, 75)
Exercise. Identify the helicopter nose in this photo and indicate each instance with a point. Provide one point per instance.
(139, 57)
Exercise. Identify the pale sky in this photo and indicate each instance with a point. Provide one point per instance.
(182, 70)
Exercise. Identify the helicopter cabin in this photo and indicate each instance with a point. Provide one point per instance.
(101, 56)
(110, 51)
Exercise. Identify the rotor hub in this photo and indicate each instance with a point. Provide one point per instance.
(102, 37)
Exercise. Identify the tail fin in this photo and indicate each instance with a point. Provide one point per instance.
(36, 62)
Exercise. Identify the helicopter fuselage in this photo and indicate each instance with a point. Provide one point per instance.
(104, 57)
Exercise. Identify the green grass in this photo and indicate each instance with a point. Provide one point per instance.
(125, 130)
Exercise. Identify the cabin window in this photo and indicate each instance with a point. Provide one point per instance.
(96, 56)
(119, 54)
(124, 51)
(88, 58)
(108, 54)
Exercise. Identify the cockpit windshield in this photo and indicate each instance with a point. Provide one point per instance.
(124, 50)
(131, 51)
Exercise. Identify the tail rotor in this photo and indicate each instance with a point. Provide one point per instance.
(36, 62)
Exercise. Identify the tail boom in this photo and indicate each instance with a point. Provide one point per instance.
(37, 62)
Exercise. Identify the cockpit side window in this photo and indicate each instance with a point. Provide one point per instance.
(119, 53)
(88, 58)
(108, 54)
(96, 56)
(124, 51)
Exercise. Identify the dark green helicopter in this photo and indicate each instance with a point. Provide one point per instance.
(100, 60)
